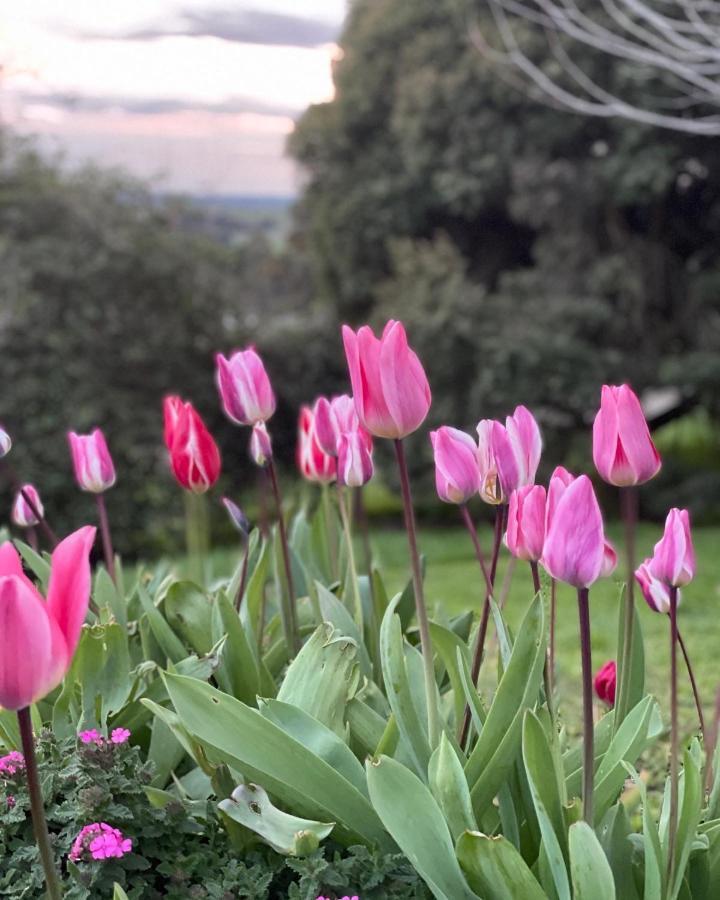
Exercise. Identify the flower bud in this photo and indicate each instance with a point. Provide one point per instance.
(673, 560)
(623, 451)
(94, 469)
(605, 682)
(457, 475)
(237, 516)
(194, 455)
(23, 514)
(354, 464)
(245, 391)
(260, 445)
(5, 442)
(525, 533)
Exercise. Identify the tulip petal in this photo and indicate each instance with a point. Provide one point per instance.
(69, 587)
(575, 544)
(639, 449)
(405, 386)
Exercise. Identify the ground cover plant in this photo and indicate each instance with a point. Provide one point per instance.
(312, 716)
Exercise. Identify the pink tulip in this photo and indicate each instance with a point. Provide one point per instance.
(457, 476)
(524, 435)
(574, 545)
(610, 560)
(354, 462)
(606, 681)
(94, 469)
(194, 455)
(673, 560)
(245, 390)
(498, 465)
(38, 638)
(313, 462)
(22, 514)
(390, 389)
(526, 522)
(655, 592)
(5, 442)
(623, 451)
(260, 445)
(334, 418)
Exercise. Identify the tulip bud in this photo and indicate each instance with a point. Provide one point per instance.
(194, 455)
(605, 682)
(5, 442)
(623, 451)
(38, 638)
(655, 592)
(574, 545)
(390, 389)
(525, 533)
(237, 516)
(457, 475)
(260, 445)
(498, 465)
(94, 470)
(23, 514)
(524, 435)
(313, 462)
(354, 464)
(335, 417)
(245, 390)
(673, 560)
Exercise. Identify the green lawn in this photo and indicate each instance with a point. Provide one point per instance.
(453, 582)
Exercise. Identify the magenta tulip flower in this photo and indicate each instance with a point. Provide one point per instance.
(354, 462)
(524, 435)
(606, 682)
(38, 638)
(5, 442)
(623, 451)
(314, 463)
(260, 445)
(655, 592)
(94, 469)
(497, 462)
(22, 513)
(390, 389)
(194, 455)
(673, 560)
(525, 533)
(335, 417)
(245, 390)
(457, 475)
(574, 545)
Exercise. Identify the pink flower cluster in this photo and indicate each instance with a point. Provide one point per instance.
(93, 736)
(11, 764)
(100, 841)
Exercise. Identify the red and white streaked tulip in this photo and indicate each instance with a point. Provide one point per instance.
(194, 455)
(574, 547)
(38, 638)
(623, 451)
(390, 389)
(94, 469)
(655, 592)
(22, 513)
(245, 390)
(457, 476)
(525, 533)
(673, 560)
(314, 463)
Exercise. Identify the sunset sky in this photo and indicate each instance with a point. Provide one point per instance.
(198, 95)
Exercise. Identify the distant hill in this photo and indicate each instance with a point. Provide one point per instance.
(234, 219)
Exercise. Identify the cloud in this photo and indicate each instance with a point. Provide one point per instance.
(248, 26)
(149, 106)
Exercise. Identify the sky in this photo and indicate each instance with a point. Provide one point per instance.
(197, 95)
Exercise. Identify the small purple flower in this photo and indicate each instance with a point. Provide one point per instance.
(119, 735)
(99, 841)
(11, 764)
(91, 736)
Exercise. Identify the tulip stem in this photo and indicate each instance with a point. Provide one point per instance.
(553, 616)
(674, 739)
(693, 683)
(547, 680)
(347, 530)
(329, 532)
(243, 575)
(587, 695)
(362, 520)
(36, 805)
(106, 539)
(484, 618)
(290, 617)
(629, 507)
(421, 610)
